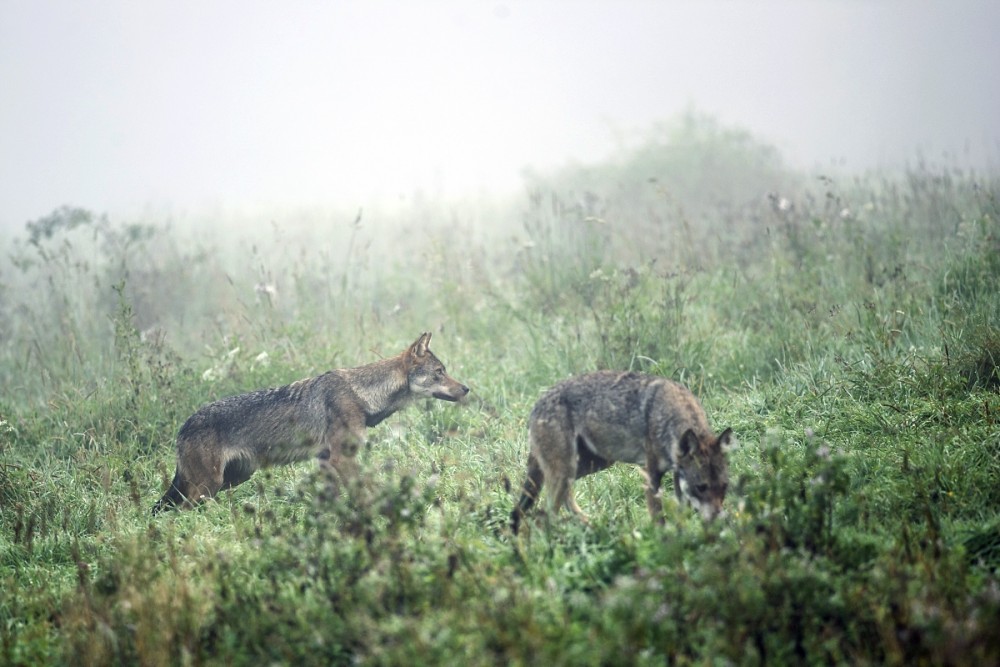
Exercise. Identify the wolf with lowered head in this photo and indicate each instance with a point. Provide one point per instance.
(586, 423)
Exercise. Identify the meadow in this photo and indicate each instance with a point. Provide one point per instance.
(846, 327)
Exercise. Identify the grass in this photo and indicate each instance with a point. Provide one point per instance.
(849, 337)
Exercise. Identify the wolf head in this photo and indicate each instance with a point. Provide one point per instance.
(702, 473)
(426, 374)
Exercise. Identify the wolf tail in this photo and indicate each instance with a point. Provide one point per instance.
(529, 492)
(171, 499)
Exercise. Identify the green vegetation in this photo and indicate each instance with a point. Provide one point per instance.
(848, 330)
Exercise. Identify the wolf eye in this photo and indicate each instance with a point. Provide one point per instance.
(701, 489)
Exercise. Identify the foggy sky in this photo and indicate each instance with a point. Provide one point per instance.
(117, 106)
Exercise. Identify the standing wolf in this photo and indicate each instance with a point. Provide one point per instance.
(586, 423)
(223, 443)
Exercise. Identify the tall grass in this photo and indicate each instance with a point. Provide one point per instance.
(846, 328)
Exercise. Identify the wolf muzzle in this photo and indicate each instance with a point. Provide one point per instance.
(450, 397)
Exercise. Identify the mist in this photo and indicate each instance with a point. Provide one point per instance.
(126, 108)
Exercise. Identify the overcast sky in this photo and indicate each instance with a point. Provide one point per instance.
(119, 105)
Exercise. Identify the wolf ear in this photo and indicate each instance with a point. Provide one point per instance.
(422, 345)
(727, 440)
(688, 443)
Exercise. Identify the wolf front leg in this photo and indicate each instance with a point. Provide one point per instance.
(654, 495)
(339, 459)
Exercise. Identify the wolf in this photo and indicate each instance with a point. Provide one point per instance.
(225, 442)
(586, 423)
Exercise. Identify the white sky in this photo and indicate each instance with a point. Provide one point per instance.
(119, 105)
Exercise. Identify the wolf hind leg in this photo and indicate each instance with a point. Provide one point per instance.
(185, 494)
(561, 495)
(553, 443)
(561, 474)
(236, 472)
(571, 504)
(200, 475)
